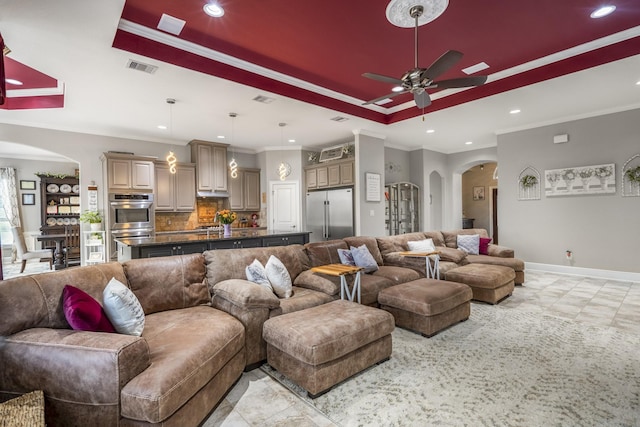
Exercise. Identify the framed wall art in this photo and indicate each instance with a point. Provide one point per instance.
(579, 181)
(478, 193)
(28, 199)
(27, 184)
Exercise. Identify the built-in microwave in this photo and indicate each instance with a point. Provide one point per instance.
(131, 211)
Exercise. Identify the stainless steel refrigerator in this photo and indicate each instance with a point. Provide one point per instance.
(330, 214)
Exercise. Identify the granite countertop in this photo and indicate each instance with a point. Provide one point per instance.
(201, 235)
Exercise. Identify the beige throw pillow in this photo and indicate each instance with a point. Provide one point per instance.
(279, 277)
(123, 308)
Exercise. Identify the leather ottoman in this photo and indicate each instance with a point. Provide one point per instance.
(321, 346)
(489, 283)
(427, 306)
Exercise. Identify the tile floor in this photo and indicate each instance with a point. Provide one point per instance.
(258, 400)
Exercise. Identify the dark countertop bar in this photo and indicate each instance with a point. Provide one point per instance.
(201, 236)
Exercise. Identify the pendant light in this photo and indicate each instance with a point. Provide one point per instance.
(233, 165)
(171, 158)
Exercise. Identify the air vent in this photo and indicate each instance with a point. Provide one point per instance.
(339, 119)
(264, 99)
(171, 24)
(140, 66)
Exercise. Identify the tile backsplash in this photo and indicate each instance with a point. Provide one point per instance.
(203, 215)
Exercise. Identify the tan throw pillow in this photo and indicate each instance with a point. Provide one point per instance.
(279, 277)
(24, 411)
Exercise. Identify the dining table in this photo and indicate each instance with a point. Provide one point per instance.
(58, 254)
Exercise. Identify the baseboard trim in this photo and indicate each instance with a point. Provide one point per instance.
(588, 272)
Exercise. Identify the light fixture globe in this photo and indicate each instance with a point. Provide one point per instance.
(401, 13)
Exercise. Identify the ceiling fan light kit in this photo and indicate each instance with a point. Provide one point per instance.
(415, 81)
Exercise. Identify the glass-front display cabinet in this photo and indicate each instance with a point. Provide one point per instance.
(402, 208)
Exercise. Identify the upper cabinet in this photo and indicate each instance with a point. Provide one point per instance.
(329, 174)
(211, 166)
(175, 192)
(126, 172)
(244, 191)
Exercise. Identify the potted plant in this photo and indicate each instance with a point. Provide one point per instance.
(528, 181)
(94, 218)
(633, 174)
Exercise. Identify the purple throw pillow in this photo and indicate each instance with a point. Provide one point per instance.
(83, 312)
(484, 245)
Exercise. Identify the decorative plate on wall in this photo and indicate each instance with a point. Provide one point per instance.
(53, 188)
(65, 188)
(76, 189)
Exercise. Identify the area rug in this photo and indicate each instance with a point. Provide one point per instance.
(502, 367)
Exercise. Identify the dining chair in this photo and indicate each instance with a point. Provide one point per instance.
(71, 249)
(23, 254)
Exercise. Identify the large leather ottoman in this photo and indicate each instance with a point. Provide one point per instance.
(427, 305)
(489, 283)
(321, 346)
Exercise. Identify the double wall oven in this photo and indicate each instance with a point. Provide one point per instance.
(130, 215)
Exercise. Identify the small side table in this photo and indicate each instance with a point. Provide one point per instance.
(342, 271)
(430, 271)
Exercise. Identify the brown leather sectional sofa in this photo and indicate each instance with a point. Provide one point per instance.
(203, 326)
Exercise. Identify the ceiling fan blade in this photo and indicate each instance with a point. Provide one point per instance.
(391, 95)
(422, 99)
(459, 82)
(442, 64)
(382, 78)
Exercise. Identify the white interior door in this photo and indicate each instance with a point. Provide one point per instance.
(284, 207)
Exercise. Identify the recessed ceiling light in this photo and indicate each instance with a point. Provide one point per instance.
(14, 82)
(475, 68)
(220, 136)
(638, 82)
(213, 9)
(468, 143)
(430, 130)
(514, 111)
(292, 141)
(603, 11)
(397, 89)
(163, 127)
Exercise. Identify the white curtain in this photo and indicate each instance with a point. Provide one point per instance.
(9, 194)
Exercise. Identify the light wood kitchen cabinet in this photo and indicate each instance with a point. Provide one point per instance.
(244, 191)
(211, 166)
(330, 174)
(175, 192)
(126, 172)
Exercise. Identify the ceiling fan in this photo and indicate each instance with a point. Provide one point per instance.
(417, 80)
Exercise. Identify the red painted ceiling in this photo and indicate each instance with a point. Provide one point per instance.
(27, 96)
(330, 43)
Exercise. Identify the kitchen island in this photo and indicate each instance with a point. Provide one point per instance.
(200, 241)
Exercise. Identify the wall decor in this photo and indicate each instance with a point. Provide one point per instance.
(578, 181)
(28, 199)
(529, 184)
(631, 177)
(27, 184)
(478, 193)
(373, 189)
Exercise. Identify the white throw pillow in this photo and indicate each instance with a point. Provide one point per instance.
(257, 274)
(279, 277)
(123, 308)
(425, 245)
(470, 243)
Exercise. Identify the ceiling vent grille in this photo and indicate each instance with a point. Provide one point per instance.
(264, 99)
(339, 119)
(140, 66)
